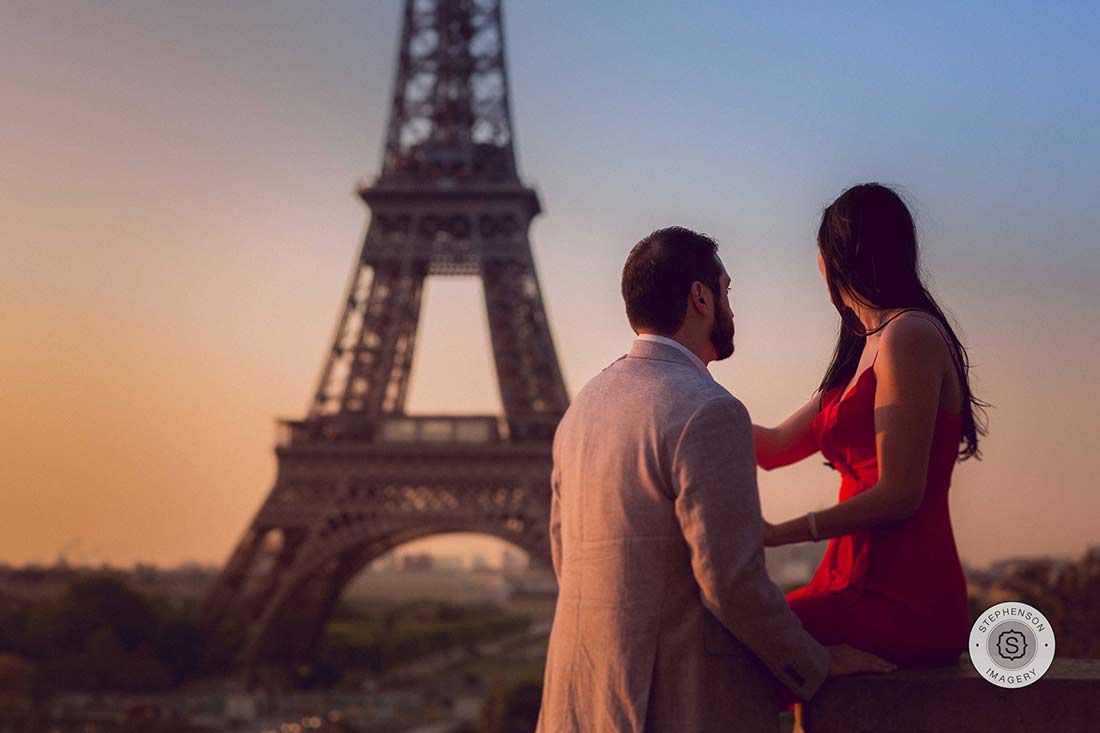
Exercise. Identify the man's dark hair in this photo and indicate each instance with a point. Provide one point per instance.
(658, 274)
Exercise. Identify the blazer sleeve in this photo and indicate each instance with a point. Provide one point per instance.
(718, 508)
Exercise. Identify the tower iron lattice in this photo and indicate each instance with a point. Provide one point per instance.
(358, 476)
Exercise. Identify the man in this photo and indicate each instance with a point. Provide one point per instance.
(666, 619)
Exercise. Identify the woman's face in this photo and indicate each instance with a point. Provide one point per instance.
(821, 268)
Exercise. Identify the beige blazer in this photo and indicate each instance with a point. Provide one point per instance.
(666, 620)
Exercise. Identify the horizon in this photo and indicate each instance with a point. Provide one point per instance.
(425, 546)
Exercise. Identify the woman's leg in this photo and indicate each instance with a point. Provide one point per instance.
(874, 624)
(879, 625)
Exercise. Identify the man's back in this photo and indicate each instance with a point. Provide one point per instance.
(646, 538)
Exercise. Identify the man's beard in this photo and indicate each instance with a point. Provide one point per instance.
(721, 338)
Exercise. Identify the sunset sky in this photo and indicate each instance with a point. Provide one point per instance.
(177, 224)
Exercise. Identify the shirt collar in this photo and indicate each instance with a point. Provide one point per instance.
(676, 344)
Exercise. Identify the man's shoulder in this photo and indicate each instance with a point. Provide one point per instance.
(718, 405)
(698, 391)
(677, 388)
(614, 363)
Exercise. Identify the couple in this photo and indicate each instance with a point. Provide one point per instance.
(666, 619)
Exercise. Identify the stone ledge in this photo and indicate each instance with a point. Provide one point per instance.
(1065, 700)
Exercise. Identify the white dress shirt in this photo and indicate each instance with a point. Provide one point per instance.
(674, 343)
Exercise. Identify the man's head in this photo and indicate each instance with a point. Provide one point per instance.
(675, 285)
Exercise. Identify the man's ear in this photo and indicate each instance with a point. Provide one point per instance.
(698, 294)
(693, 303)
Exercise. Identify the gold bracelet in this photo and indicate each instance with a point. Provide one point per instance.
(813, 526)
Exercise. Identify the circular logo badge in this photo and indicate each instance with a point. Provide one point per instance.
(1011, 644)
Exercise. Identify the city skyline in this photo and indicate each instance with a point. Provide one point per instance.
(180, 222)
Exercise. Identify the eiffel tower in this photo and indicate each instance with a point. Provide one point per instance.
(358, 476)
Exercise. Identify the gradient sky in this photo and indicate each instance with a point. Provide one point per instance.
(177, 224)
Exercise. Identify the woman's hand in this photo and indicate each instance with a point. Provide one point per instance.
(790, 532)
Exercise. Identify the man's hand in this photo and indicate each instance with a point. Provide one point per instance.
(845, 659)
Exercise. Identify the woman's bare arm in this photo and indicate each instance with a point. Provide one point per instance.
(906, 403)
(789, 442)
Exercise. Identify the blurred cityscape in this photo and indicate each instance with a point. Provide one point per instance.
(419, 642)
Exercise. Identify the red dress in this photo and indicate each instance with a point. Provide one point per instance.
(896, 590)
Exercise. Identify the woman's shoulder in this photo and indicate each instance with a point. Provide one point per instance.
(913, 332)
(916, 341)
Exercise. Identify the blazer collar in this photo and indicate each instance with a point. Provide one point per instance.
(643, 349)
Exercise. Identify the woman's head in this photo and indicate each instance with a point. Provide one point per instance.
(868, 255)
(868, 250)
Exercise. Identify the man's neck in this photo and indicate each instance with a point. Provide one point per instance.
(704, 354)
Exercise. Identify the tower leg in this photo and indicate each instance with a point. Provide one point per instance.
(368, 368)
(531, 385)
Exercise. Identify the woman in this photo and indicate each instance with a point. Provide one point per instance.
(892, 414)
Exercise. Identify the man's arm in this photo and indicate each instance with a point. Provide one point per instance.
(718, 507)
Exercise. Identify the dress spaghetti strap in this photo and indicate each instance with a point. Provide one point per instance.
(950, 346)
(935, 321)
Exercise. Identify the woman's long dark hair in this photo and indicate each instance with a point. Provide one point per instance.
(869, 245)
